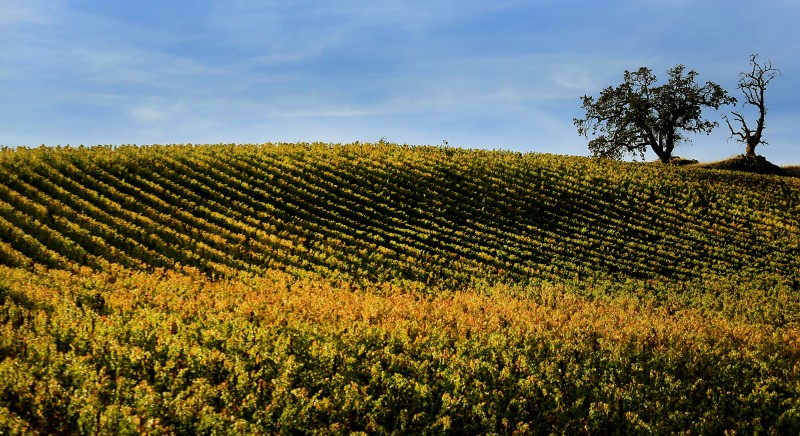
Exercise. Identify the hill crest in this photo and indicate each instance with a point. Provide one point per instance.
(437, 216)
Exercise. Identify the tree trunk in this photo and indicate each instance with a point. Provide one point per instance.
(750, 151)
(663, 155)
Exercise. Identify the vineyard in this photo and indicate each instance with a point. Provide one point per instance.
(382, 288)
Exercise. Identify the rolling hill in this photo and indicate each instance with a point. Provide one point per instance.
(439, 216)
(379, 288)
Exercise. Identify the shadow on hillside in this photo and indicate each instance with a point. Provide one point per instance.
(749, 164)
(793, 171)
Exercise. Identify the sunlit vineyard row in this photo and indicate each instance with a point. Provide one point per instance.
(123, 352)
(438, 216)
(379, 288)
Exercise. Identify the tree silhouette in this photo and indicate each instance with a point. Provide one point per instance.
(637, 114)
(753, 84)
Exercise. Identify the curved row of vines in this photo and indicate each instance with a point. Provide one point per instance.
(377, 288)
(440, 217)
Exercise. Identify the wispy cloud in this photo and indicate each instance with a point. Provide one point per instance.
(27, 12)
(507, 72)
(157, 111)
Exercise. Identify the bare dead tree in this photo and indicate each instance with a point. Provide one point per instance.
(753, 84)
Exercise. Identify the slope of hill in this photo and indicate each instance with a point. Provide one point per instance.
(443, 217)
(750, 164)
(375, 288)
(793, 171)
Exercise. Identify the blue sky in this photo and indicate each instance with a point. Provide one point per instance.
(485, 74)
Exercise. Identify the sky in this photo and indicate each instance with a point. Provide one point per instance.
(500, 74)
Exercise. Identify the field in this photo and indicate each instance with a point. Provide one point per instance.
(381, 288)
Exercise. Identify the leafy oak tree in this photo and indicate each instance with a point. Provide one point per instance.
(753, 84)
(639, 114)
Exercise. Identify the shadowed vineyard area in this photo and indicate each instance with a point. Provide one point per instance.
(392, 289)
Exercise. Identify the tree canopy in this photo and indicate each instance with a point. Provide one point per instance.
(638, 114)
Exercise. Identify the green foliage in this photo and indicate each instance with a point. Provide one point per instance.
(273, 354)
(378, 288)
(637, 114)
(437, 217)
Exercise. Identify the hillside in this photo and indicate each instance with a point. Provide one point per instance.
(793, 171)
(444, 217)
(750, 164)
(384, 289)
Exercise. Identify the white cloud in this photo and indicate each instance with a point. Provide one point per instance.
(157, 112)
